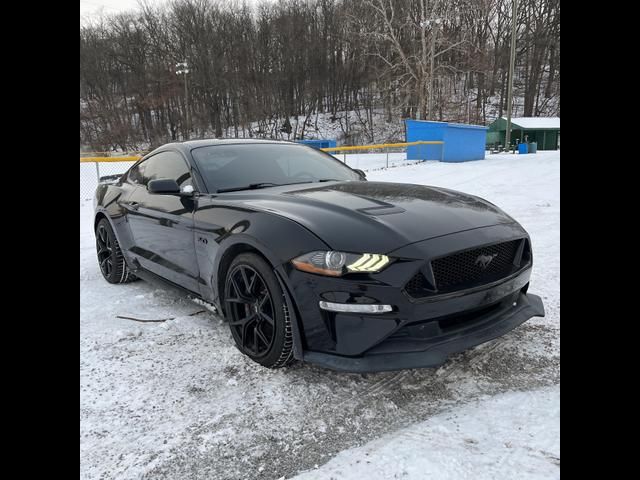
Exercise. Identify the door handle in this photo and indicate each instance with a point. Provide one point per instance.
(133, 205)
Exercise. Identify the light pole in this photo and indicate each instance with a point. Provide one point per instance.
(182, 69)
(512, 61)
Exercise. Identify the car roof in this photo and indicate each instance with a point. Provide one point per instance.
(189, 145)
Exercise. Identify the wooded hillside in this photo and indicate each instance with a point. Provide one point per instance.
(253, 66)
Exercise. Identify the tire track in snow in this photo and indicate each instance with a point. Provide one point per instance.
(375, 388)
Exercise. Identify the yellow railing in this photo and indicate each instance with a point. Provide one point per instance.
(343, 149)
(380, 146)
(129, 158)
(111, 154)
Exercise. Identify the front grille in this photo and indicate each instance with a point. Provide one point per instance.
(465, 269)
(476, 266)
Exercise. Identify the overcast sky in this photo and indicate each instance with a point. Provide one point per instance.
(95, 7)
(92, 8)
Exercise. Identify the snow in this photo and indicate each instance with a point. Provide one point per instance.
(374, 161)
(536, 122)
(514, 435)
(347, 127)
(177, 400)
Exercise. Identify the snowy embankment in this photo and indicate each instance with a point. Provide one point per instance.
(177, 400)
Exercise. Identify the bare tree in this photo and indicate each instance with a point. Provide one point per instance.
(273, 69)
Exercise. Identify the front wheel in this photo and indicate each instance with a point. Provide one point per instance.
(113, 266)
(258, 316)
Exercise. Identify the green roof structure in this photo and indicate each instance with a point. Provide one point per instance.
(545, 131)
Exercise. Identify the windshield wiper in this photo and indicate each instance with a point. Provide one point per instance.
(329, 180)
(254, 186)
(251, 186)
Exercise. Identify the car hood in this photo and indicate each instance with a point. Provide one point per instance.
(377, 217)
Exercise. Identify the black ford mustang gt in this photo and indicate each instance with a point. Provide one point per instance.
(308, 260)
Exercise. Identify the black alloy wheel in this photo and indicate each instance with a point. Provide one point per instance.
(105, 250)
(254, 306)
(113, 266)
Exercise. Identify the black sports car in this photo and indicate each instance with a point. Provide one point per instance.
(308, 260)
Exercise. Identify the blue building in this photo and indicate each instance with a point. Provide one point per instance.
(320, 143)
(461, 142)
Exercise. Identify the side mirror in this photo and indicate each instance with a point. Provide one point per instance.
(164, 185)
(360, 172)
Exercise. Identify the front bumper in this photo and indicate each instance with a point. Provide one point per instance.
(435, 350)
(418, 332)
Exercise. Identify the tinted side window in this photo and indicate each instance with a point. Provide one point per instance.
(166, 165)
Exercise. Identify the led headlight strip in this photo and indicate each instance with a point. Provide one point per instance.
(369, 262)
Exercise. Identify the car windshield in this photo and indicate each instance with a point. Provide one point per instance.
(251, 165)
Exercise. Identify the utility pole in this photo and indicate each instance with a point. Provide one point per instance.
(183, 70)
(434, 33)
(512, 62)
(423, 38)
(433, 52)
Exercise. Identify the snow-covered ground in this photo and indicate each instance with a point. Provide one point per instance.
(512, 435)
(177, 400)
(375, 161)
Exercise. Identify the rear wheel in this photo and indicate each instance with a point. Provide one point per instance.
(257, 313)
(113, 266)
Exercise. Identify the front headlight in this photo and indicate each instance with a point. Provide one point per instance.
(335, 264)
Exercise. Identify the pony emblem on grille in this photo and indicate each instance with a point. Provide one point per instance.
(483, 261)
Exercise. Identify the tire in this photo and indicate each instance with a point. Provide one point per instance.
(257, 312)
(111, 261)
